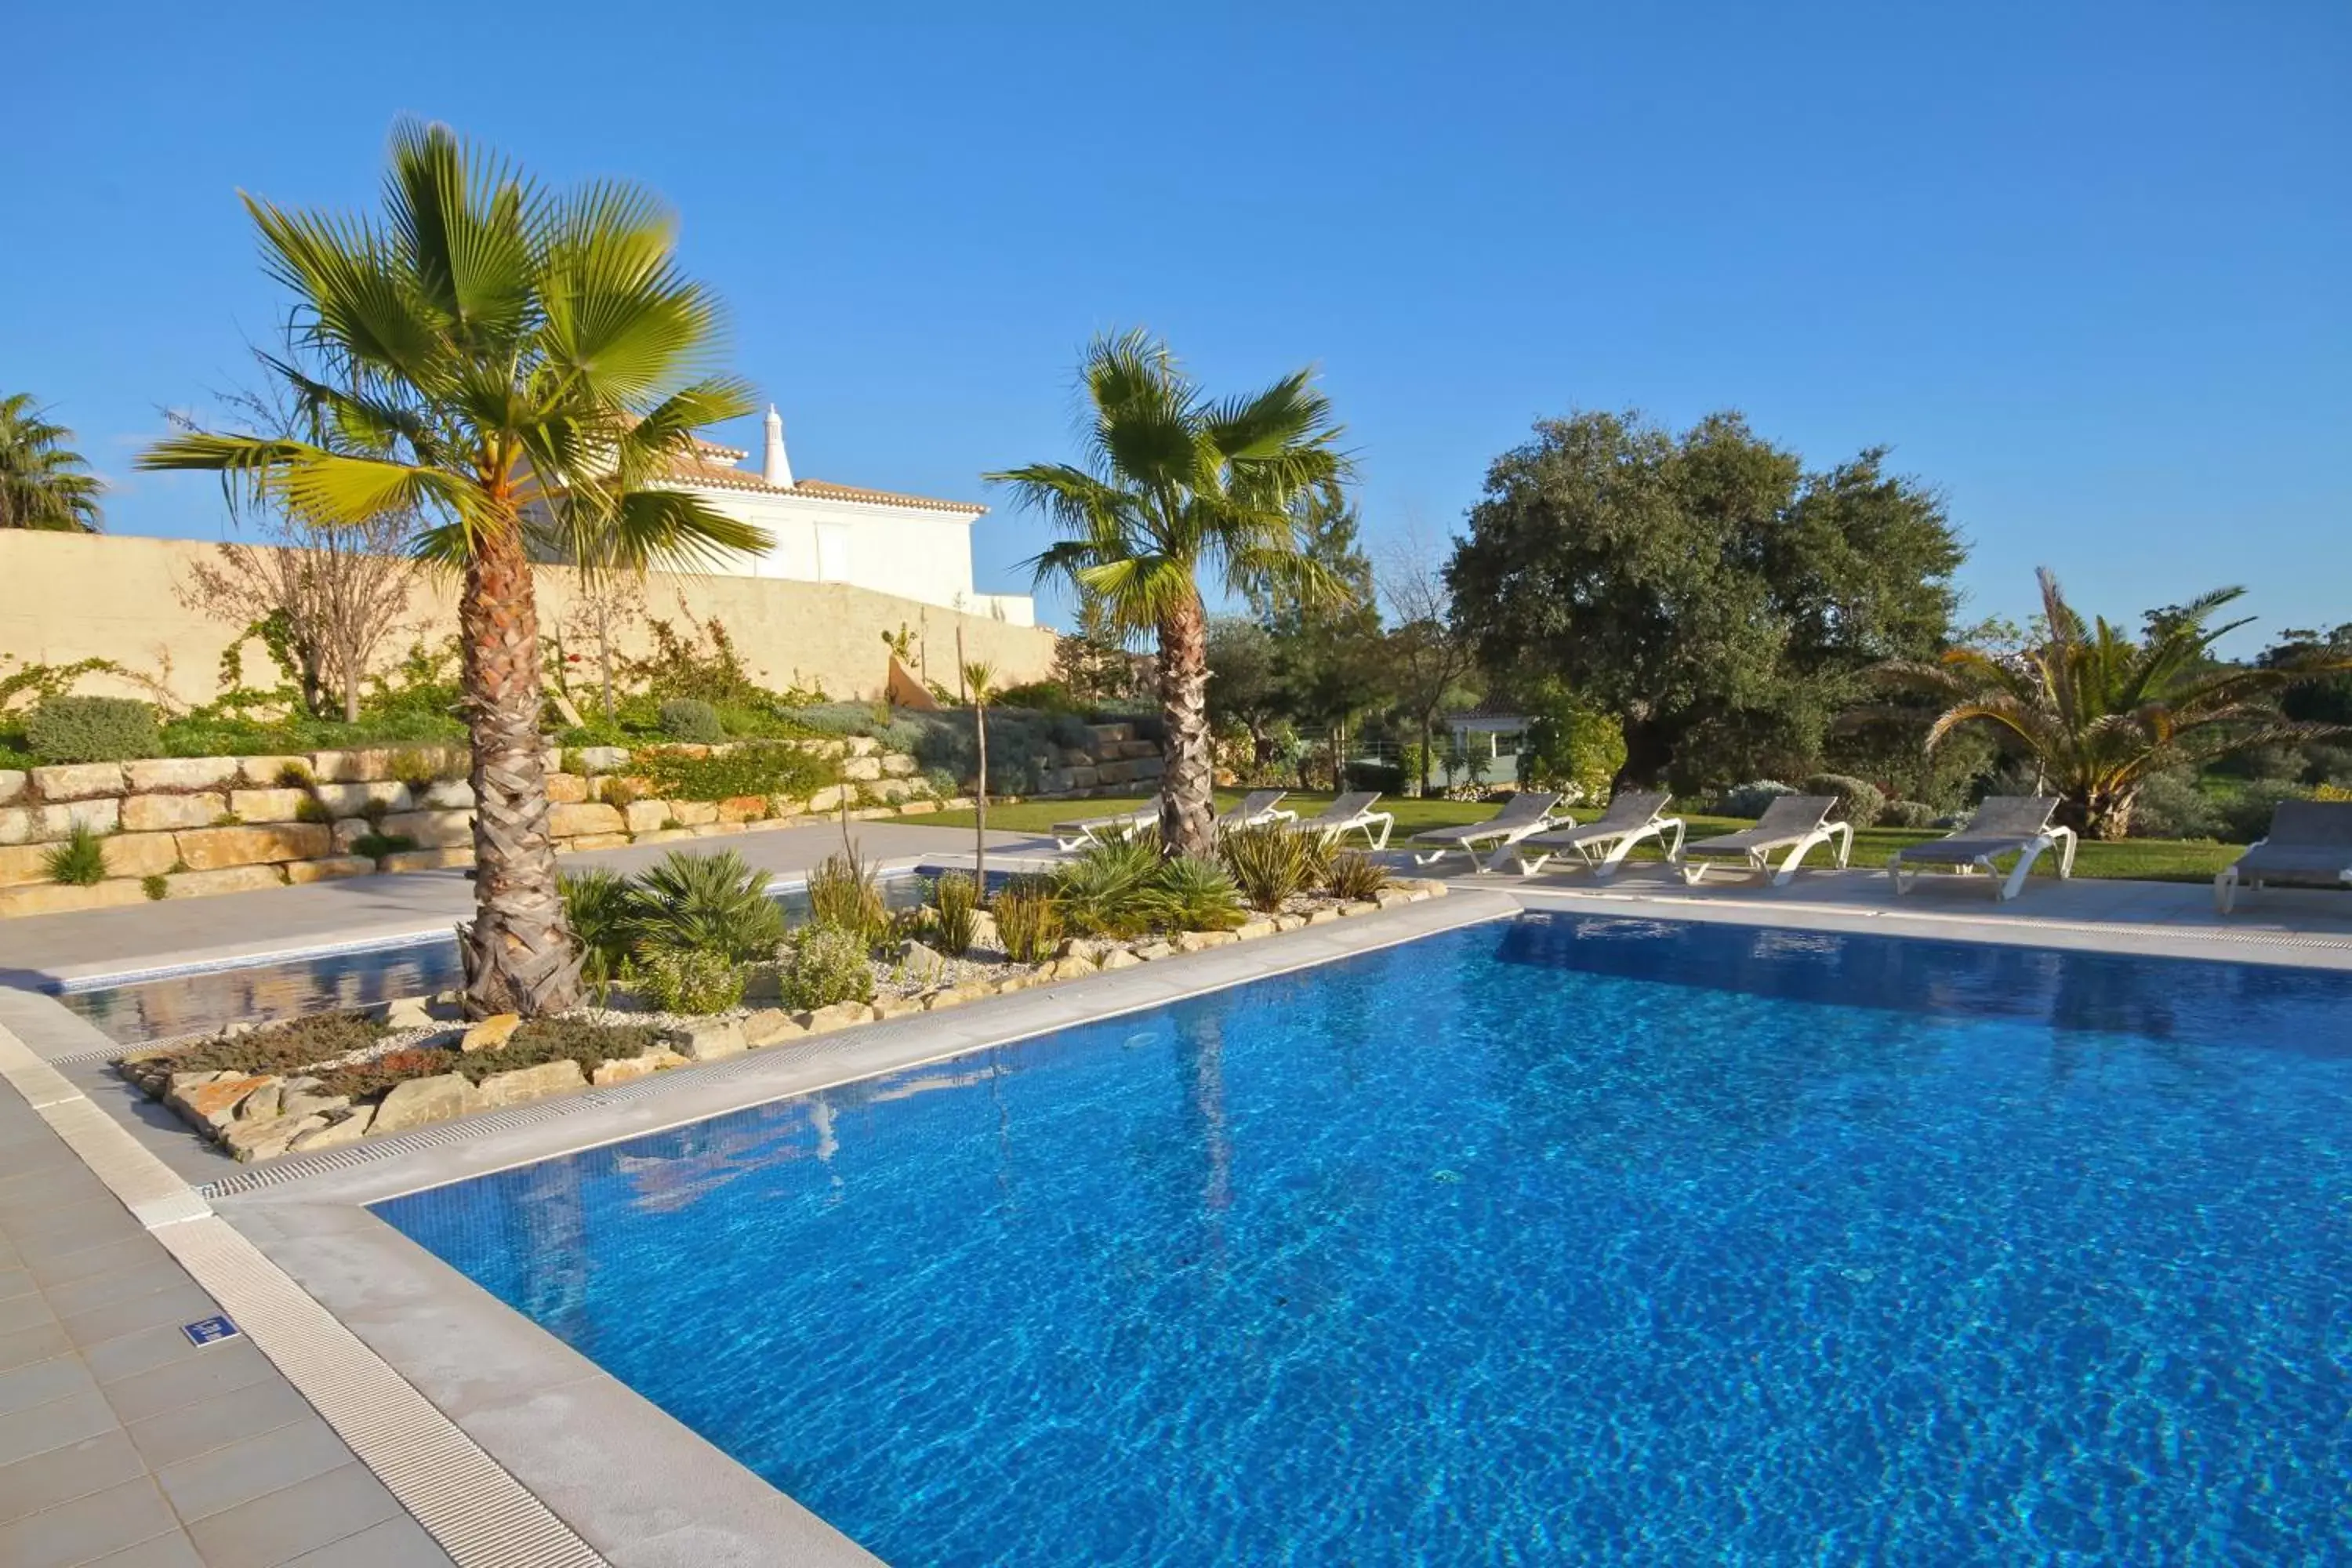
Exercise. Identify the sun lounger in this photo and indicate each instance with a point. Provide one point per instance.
(1603, 843)
(1086, 830)
(1527, 811)
(2015, 824)
(1256, 808)
(1795, 823)
(2309, 845)
(1351, 814)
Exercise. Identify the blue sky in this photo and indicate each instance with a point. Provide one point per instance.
(2083, 267)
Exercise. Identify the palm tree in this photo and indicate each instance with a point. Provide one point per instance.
(2099, 709)
(1173, 483)
(42, 483)
(517, 366)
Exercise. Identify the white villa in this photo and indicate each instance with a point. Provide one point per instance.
(912, 546)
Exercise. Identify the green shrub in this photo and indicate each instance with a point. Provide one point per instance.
(845, 893)
(1386, 777)
(377, 846)
(2242, 817)
(92, 729)
(751, 768)
(704, 903)
(1750, 799)
(1355, 877)
(295, 775)
(691, 719)
(379, 1075)
(1908, 814)
(688, 980)
(824, 965)
(1572, 746)
(1271, 863)
(1193, 894)
(956, 903)
(1104, 890)
(284, 1047)
(1858, 800)
(420, 769)
(79, 861)
(2171, 806)
(155, 886)
(583, 1040)
(600, 907)
(1028, 919)
(309, 808)
(1043, 696)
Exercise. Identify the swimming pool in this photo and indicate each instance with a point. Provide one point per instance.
(1561, 1239)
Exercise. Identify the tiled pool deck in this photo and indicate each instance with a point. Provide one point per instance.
(156, 1452)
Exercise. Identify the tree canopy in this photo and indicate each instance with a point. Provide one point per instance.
(1704, 587)
(44, 483)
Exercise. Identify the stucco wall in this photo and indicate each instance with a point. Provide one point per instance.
(69, 597)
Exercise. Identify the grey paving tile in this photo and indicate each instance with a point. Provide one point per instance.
(123, 1252)
(216, 1369)
(88, 1528)
(281, 1526)
(180, 1304)
(27, 1311)
(173, 1551)
(216, 1423)
(37, 1383)
(68, 1227)
(37, 1428)
(399, 1542)
(227, 1477)
(64, 1474)
(29, 1194)
(134, 1356)
(25, 1346)
(16, 1282)
(119, 1285)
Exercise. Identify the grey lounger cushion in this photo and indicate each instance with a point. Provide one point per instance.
(2002, 824)
(1527, 806)
(1788, 818)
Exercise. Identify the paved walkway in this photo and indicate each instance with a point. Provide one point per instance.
(121, 1443)
(37, 952)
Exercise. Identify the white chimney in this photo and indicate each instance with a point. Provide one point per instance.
(774, 466)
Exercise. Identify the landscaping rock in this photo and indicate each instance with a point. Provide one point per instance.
(227, 879)
(1119, 958)
(895, 1006)
(447, 794)
(572, 821)
(47, 824)
(641, 816)
(957, 996)
(1288, 922)
(180, 772)
(425, 859)
(1071, 968)
(627, 1069)
(694, 813)
(304, 1104)
(432, 829)
(329, 870)
(338, 1132)
(212, 848)
(1322, 917)
(566, 789)
(1362, 907)
(840, 1016)
(1250, 931)
(1152, 953)
(212, 1105)
(921, 965)
(605, 759)
(264, 1104)
(421, 1101)
(1012, 983)
(250, 1140)
(78, 781)
(352, 799)
(707, 1040)
(268, 804)
(523, 1084)
(163, 813)
(1202, 941)
(263, 773)
(1393, 897)
(491, 1033)
(768, 1026)
(12, 784)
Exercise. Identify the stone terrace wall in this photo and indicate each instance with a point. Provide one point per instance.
(230, 825)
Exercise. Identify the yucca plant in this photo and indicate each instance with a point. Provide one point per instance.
(1102, 890)
(707, 903)
(1028, 919)
(844, 892)
(1355, 877)
(1193, 894)
(2099, 710)
(956, 906)
(1271, 863)
(79, 861)
(522, 371)
(601, 908)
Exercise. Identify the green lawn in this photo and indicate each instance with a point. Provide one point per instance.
(2147, 859)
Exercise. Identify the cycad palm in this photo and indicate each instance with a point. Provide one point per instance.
(503, 361)
(2099, 709)
(43, 484)
(1173, 484)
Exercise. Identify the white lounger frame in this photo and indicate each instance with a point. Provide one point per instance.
(1604, 865)
(1504, 837)
(2061, 839)
(1072, 836)
(2226, 883)
(1332, 832)
(1759, 859)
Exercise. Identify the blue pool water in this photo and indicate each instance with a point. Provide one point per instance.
(1558, 1239)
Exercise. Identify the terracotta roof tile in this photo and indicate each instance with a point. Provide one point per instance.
(721, 475)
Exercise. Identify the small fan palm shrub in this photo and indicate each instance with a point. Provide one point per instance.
(1193, 894)
(1028, 919)
(79, 861)
(707, 903)
(1102, 890)
(600, 907)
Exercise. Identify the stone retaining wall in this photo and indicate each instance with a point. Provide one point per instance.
(185, 826)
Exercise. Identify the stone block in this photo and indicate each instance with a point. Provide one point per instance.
(645, 1064)
(646, 816)
(224, 879)
(163, 813)
(349, 831)
(917, 807)
(213, 1106)
(572, 821)
(24, 865)
(57, 898)
(605, 759)
(14, 783)
(1322, 917)
(522, 1084)
(266, 772)
(181, 774)
(1081, 777)
(707, 1040)
(268, 804)
(1105, 735)
(1391, 898)
(1288, 922)
(840, 1016)
(1072, 968)
(210, 848)
(1132, 750)
(422, 1101)
(899, 765)
(264, 1104)
(1119, 958)
(491, 1033)
(1153, 951)
(694, 813)
(306, 1102)
(1202, 941)
(895, 1006)
(826, 799)
(78, 781)
(588, 841)
(862, 745)
(350, 799)
(447, 794)
(425, 859)
(47, 823)
(1114, 772)
(359, 766)
(250, 1140)
(743, 808)
(768, 1026)
(1250, 931)
(339, 1131)
(1360, 907)
(566, 789)
(334, 869)
(431, 830)
(1144, 768)
(861, 768)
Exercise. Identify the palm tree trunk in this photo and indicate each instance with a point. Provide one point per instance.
(518, 954)
(1187, 801)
